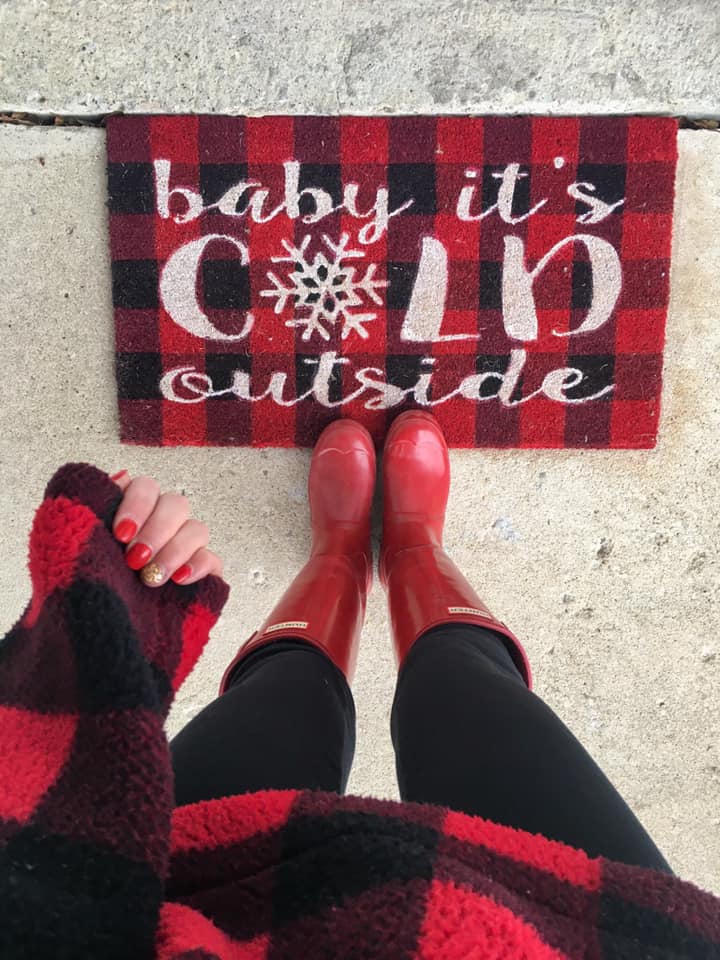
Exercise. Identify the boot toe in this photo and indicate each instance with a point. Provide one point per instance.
(416, 440)
(414, 417)
(342, 475)
(345, 433)
(416, 482)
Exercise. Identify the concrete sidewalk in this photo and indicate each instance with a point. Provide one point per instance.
(371, 56)
(605, 563)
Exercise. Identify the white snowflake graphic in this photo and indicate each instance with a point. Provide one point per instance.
(326, 289)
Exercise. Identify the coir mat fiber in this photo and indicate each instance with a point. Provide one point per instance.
(508, 274)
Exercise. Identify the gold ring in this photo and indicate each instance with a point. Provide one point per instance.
(152, 574)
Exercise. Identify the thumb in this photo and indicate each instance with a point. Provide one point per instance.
(122, 480)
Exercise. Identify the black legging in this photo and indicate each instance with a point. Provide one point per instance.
(467, 733)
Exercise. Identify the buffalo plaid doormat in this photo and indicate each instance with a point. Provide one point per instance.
(271, 274)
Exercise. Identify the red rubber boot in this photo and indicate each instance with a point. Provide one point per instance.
(424, 586)
(325, 603)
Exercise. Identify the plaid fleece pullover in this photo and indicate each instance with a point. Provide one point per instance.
(95, 861)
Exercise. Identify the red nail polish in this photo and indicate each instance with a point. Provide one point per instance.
(116, 476)
(126, 530)
(182, 573)
(138, 556)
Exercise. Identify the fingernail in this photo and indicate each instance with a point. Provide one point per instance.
(138, 556)
(182, 573)
(152, 574)
(116, 476)
(126, 530)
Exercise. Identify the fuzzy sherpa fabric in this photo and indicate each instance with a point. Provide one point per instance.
(95, 863)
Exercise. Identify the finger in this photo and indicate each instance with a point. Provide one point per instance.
(202, 563)
(121, 479)
(189, 539)
(169, 514)
(141, 495)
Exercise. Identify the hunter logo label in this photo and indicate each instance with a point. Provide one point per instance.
(270, 274)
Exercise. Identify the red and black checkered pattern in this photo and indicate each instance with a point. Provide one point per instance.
(424, 159)
(96, 863)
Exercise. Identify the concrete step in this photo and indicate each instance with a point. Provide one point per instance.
(399, 56)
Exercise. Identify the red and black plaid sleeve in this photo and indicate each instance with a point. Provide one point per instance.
(87, 676)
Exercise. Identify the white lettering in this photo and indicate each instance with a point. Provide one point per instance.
(378, 225)
(509, 179)
(518, 301)
(372, 379)
(506, 194)
(321, 199)
(178, 289)
(599, 210)
(163, 194)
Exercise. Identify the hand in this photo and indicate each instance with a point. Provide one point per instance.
(160, 523)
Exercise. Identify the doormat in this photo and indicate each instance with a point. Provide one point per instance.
(508, 274)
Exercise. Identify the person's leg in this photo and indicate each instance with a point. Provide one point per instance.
(286, 721)
(285, 718)
(470, 735)
(468, 732)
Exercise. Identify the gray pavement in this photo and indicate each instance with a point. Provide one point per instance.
(605, 563)
(367, 56)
